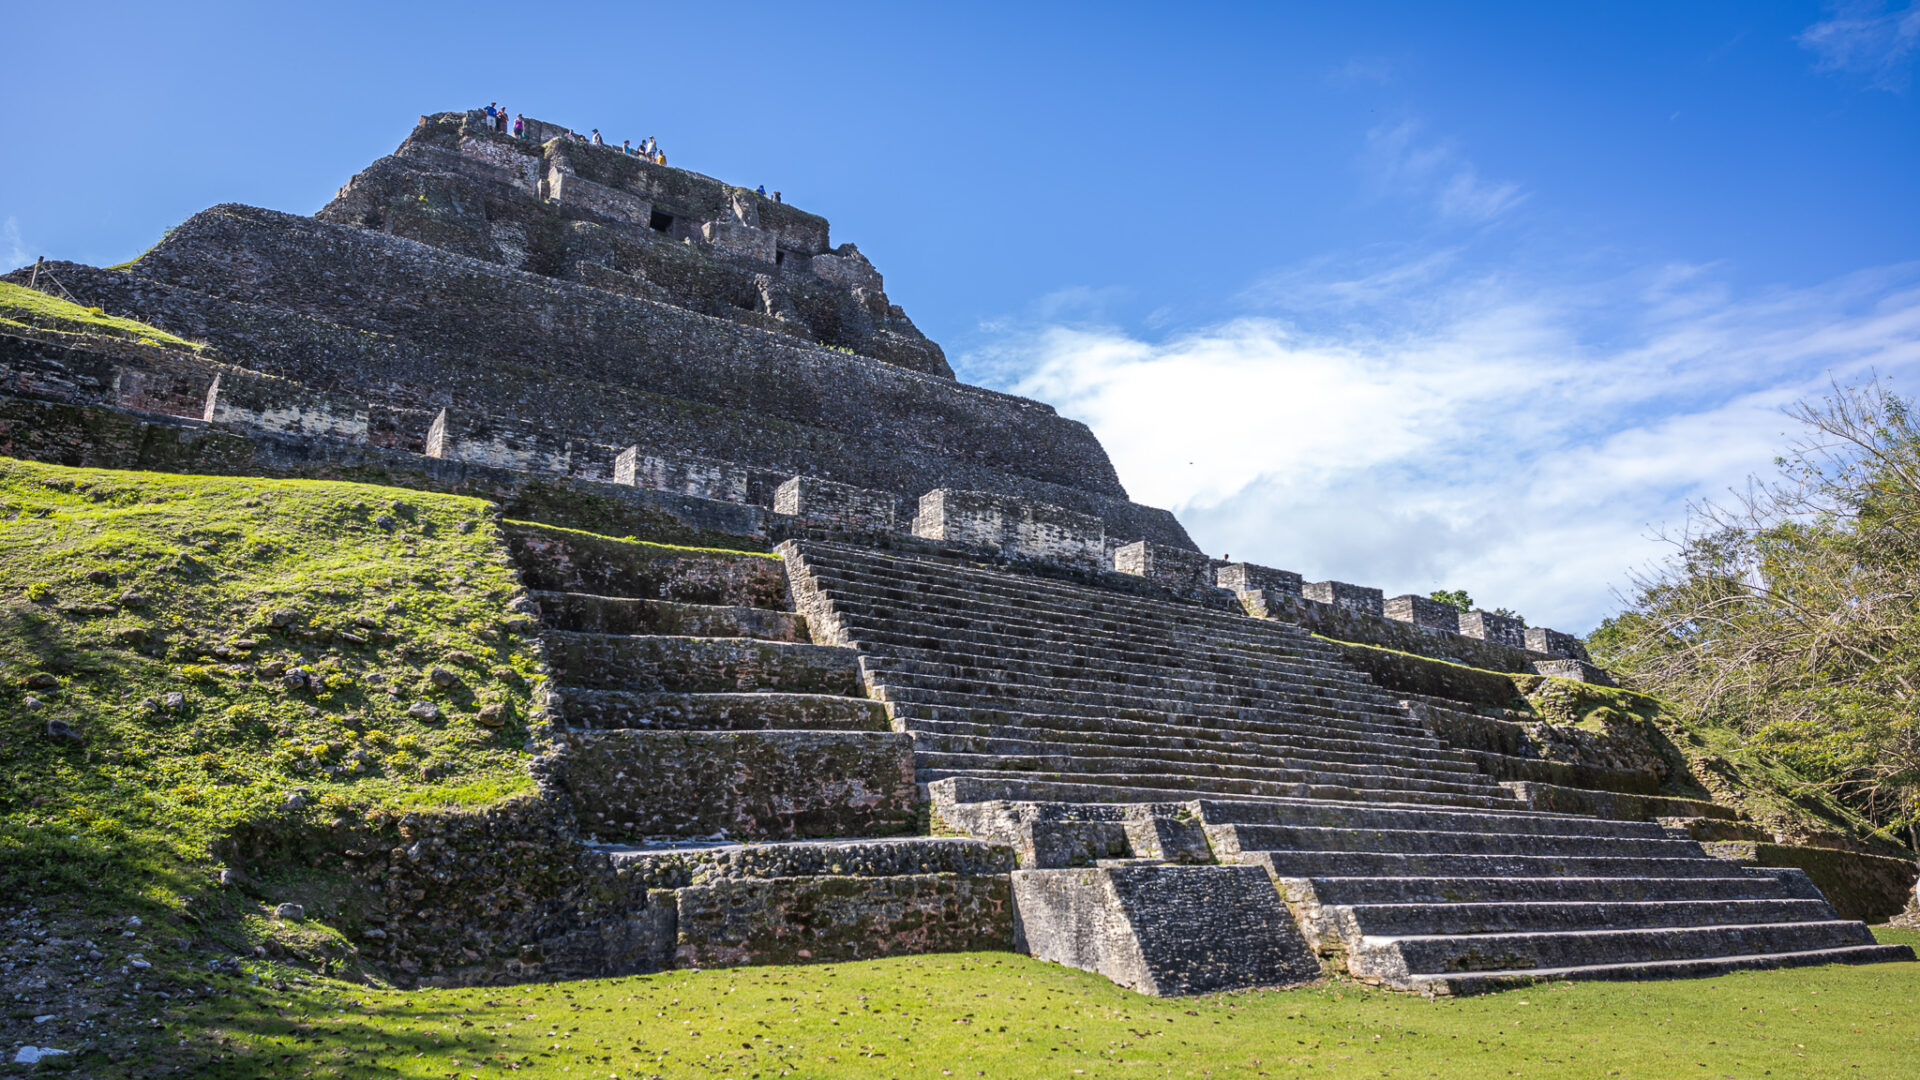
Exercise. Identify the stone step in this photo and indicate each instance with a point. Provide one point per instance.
(1233, 839)
(992, 637)
(591, 614)
(1512, 820)
(1318, 864)
(855, 572)
(674, 866)
(1395, 958)
(555, 559)
(1238, 744)
(667, 663)
(910, 654)
(1426, 891)
(592, 710)
(1120, 687)
(1666, 969)
(1397, 920)
(1124, 765)
(1312, 731)
(1148, 787)
(1326, 720)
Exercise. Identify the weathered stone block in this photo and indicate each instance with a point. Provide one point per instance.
(563, 560)
(1424, 611)
(817, 919)
(1555, 644)
(1578, 670)
(1015, 528)
(1176, 568)
(733, 240)
(283, 407)
(705, 478)
(1249, 577)
(572, 190)
(1498, 629)
(169, 393)
(1356, 597)
(824, 502)
(1872, 888)
(1164, 930)
(632, 785)
(693, 665)
(505, 444)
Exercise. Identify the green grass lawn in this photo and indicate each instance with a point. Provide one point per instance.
(1001, 1015)
(22, 308)
(158, 618)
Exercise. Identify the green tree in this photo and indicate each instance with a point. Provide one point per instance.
(1456, 597)
(1792, 612)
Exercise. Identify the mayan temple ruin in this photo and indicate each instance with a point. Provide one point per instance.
(844, 658)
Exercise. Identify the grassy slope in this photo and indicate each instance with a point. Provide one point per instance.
(24, 308)
(1005, 1016)
(122, 821)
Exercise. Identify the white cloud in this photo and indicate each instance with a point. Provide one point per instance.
(1863, 39)
(1472, 434)
(1400, 162)
(13, 248)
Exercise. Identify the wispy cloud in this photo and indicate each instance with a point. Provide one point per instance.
(13, 247)
(1868, 40)
(1521, 446)
(1400, 161)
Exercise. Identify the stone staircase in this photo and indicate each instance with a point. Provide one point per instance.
(1107, 728)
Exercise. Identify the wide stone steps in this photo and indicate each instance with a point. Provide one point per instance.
(592, 614)
(1139, 708)
(1432, 893)
(677, 663)
(908, 664)
(1311, 731)
(1061, 650)
(1462, 984)
(1118, 692)
(1509, 821)
(1097, 610)
(1296, 838)
(973, 738)
(608, 709)
(1162, 627)
(1317, 864)
(1151, 787)
(1123, 764)
(1394, 920)
(1398, 957)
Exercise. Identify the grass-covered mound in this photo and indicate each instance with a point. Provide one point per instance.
(1005, 1016)
(23, 309)
(182, 657)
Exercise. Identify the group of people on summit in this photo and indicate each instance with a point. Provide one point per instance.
(649, 148)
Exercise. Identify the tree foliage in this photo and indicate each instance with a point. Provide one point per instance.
(1791, 612)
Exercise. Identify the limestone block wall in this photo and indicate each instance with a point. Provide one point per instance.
(817, 920)
(1012, 527)
(243, 400)
(1173, 567)
(1249, 577)
(1424, 612)
(1497, 629)
(1359, 598)
(706, 478)
(823, 502)
(632, 785)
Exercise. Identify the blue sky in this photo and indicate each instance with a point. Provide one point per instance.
(1413, 295)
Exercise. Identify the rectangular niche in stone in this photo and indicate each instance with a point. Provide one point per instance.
(1015, 528)
(1498, 629)
(1354, 597)
(1250, 577)
(1176, 568)
(705, 478)
(1425, 612)
(824, 502)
